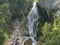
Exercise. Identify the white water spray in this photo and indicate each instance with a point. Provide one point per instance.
(33, 23)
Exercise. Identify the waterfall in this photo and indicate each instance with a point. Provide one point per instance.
(33, 23)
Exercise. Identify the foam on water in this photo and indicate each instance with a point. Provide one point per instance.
(33, 23)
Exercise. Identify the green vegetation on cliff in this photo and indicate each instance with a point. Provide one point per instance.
(51, 33)
(48, 30)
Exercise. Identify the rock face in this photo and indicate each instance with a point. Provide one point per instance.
(20, 34)
(52, 8)
(23, 28)
(48, 5)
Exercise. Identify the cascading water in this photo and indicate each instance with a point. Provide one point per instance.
(33, 23)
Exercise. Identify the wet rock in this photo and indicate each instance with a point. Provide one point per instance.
(28, 42)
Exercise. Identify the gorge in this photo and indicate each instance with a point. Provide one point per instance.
(29, 22)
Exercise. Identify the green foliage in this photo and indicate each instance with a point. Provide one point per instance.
(51, 33)
(2, 38)
(46, 29)
(4, 13)
(4, 21)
